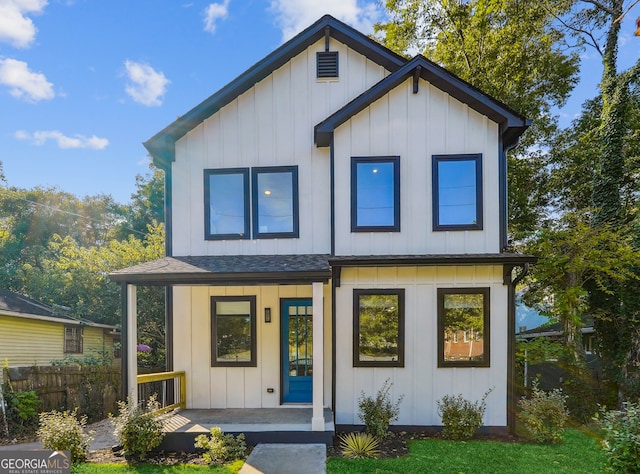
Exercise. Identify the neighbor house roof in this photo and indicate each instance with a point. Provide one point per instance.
(20, 306)
(162, 145)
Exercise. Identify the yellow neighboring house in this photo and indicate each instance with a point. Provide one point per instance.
(33, 333)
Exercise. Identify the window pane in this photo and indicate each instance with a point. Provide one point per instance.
(379, 328)
(275, 202)
(233, 338)
(227, 204)
(375, 193)
(463, 327)
(457, 192)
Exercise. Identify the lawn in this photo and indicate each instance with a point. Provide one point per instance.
(90, 468)
(578, 454)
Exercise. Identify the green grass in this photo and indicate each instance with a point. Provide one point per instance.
(91, 468)
(578, 454)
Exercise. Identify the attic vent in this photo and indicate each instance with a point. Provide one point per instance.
(327, 62)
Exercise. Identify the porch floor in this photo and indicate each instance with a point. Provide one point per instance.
(259, 425)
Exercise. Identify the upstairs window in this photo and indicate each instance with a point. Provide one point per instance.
(73, 340)
(457, 192)
(226, 207)
(375, 194)
(275, 202)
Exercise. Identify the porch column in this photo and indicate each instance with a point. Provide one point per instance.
(132, 344)
(317, 421)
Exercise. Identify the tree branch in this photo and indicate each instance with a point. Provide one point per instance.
(600, 6)
(624, 13)
(593, 43)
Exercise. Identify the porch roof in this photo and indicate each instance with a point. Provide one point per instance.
(286, 269)
(228, 270)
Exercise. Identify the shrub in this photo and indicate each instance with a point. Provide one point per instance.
(138, 429)
(21, 409)
(460, 417)
(63, 431)
(544, 415)
(377, 414)
(359, 445)
(621, 441)
(221, 447)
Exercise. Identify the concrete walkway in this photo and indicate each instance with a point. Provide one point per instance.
(286, 459)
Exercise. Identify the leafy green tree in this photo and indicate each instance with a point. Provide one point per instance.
(147, 203)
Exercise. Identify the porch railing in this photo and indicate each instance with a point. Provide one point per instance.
(169, 387)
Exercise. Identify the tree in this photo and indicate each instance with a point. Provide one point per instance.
(147, 203)
(511, 50)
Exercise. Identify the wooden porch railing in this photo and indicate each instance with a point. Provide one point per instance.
(169, 387)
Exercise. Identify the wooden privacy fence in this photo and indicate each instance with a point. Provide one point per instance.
(94, 390)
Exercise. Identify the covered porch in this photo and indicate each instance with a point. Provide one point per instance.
(256, 411)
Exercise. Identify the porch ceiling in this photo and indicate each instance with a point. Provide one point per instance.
(228, 270)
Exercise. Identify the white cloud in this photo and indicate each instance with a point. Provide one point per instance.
(15, 27)
(78, 141)
(146, 86)
(213, 13)
(294, 16)
(23, 83)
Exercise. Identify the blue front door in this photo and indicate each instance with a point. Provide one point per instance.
(296, 321)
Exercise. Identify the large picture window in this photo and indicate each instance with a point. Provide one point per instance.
(378, 328)
(275, 202)
(375, 194)
(233, 331)
(226, 204)
(73, 340)
(463, 327)
(457, 192)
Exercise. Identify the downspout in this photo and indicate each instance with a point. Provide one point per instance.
(168, 290)
(511, 341)
(334, 281)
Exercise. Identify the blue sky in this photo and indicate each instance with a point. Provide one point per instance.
(84, 82)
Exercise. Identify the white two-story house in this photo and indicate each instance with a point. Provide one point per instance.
(336, 217)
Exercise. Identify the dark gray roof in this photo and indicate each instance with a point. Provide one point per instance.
(512, 123)
(228, 269)
(10, 301)
(284, 269)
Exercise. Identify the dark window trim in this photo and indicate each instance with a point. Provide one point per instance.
(207, 208)
(355, 160)
(254, 201)
(435, 160)
(78, 340)
(486, 292)
(356, 327)
(252, 310)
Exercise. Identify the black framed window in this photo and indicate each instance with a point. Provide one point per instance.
(457, 192)
(378, 328)
(463, 327)
(73, 340)
(375, 194)
(226, 203)
(275, 202)
(233, 331)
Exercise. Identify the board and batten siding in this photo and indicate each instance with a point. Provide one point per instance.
(415, 127)
(237, 387)
(420, 381)
(269, 125)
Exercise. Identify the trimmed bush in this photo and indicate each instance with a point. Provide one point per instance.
(544, 415)
(138, 429)
(378, 413)
(621, 442)
(460, 417)
(63, 431)
(220, 448)
(359, 445)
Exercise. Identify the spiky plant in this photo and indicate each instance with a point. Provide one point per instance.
(359, 445)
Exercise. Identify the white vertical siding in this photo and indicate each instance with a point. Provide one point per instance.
(420, 381)
(269, 125)
(415, 127)
(236, 387)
